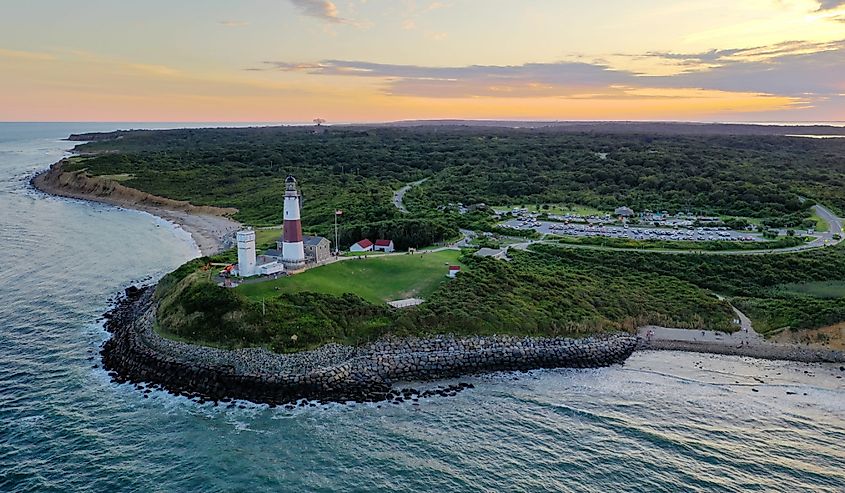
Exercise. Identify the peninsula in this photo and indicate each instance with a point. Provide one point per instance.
(555, 263)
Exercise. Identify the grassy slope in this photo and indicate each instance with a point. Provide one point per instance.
(266, 238)
(533, 294)
(821, 289)
(376, 279)
(821, 224)
(753, 283)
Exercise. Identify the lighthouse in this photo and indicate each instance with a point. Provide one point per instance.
(293, 251)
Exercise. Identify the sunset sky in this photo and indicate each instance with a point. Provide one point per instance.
(382, 60)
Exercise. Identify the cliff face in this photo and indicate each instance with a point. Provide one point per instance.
(78, 185)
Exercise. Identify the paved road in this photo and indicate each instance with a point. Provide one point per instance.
(398, 195)
(834, 224)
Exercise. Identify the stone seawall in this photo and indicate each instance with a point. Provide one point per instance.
(135, 353)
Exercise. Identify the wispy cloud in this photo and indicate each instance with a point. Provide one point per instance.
(325, 10)
(564, 78)
(234, 23)
(830, 4)
(25, 55)
(744, 54)
(811, 72)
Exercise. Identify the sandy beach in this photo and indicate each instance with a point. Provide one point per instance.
(210, 227)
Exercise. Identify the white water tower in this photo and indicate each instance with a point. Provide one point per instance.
(246, 253)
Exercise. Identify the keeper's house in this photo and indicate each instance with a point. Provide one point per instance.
(364, 245)
(317, 249)
(383, 246)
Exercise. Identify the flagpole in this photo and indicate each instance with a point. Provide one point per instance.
(335, 234)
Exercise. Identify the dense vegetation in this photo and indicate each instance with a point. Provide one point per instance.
(355, 169)
(535, 294)
(555, 290)
(753, 282)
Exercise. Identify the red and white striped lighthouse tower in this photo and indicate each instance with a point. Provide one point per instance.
(293, 252)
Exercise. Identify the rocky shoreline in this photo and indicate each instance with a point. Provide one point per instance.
(136, 354)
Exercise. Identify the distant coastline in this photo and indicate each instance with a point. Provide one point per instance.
(210, 227)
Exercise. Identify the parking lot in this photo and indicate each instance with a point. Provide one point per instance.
(634, 233)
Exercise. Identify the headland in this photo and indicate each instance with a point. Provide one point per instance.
(135, 353)
(210, 227)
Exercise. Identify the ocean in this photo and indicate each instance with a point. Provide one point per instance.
(665, 421)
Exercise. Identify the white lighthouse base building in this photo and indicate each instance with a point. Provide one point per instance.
(246, 253)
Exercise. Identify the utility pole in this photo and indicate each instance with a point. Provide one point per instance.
(336, 249)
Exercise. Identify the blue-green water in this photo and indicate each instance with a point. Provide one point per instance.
(663, 422)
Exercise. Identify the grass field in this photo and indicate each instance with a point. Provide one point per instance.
(821, 224)
(750, 220)
(119, 178)
(266, 238)
(820, 289)
(362, 254)
(376, 279)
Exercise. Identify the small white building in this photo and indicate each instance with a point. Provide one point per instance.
(454, 270)
(364, 245)
(383, 246)
(271, 268)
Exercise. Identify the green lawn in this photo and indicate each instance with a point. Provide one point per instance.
(820, 289)
(821, 224)
(376, 279)
(266, 238)
(750, 220)
(119, 177)
(362, 254)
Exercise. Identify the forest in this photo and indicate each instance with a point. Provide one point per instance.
(356, 169)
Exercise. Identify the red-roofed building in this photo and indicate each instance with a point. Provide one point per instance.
(453, 270)
(364, 245)
(383, 246)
